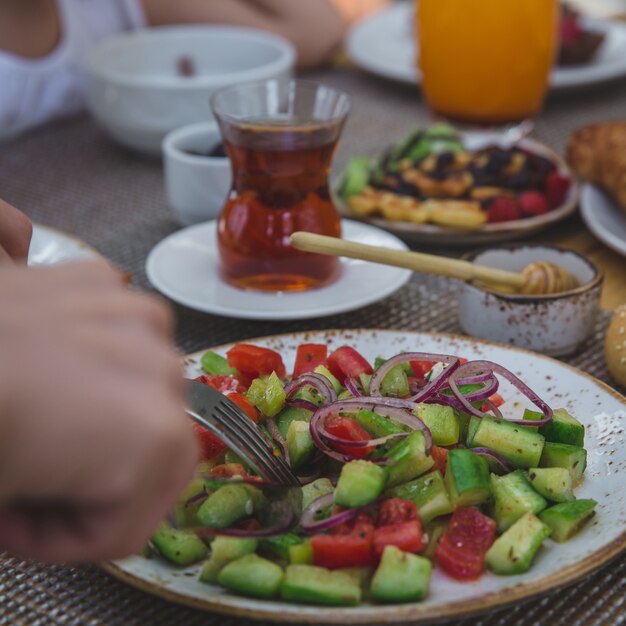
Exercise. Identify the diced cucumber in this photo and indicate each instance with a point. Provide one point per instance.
(434, 531)
(532, 416)
(567, 518)
(274, 397)
(301, 554)
(325, 372)
(513, 552)
(572, 458)
(360, 575)
(514, 497)
(406, 366)
(360, 483)
(517, 444)
(443, 423)
(184, 513)
(280, 545)
(365, 380)
(401, 577)
(317, 585)
(472, 427)
(213, 363)
(409, 459)
(224, 507)
(223, 551)
(376, 425)
(355, 176)
(181, 547)
(395, 383)
(291, 414)
(300, 444)
(553, 483)
(467, 478)
(252, 575)
(256, 392)
(315, 490)
(429, 494)
(564, 428)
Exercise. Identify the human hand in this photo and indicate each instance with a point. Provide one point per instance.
(15, 233)
(91, 414)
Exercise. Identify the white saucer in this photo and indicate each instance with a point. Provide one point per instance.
(384, 44)
(604, 218)
(184, 267)
(50, 246)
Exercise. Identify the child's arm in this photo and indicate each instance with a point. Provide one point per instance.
(314, 27)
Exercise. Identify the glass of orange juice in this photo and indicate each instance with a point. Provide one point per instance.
(486, 62)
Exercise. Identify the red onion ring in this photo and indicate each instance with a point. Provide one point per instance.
(502, 462)
(467, 370)
(302, 404)
(320, 383)
(278, 438)
(310, 526)
(352, 387)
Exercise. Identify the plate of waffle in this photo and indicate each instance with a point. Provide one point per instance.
(440, 187)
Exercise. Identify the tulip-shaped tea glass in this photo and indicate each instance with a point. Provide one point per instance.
(280, 137)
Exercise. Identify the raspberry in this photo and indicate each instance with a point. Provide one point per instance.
(557, 187)
(533, 203)
(503, 209)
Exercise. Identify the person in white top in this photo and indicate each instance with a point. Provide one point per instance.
(43, 42)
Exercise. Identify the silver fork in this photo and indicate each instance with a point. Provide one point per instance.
(213, 410)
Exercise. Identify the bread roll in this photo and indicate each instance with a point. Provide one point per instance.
(597, 154)
(615, 346)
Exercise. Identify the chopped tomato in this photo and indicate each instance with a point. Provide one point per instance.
(350, 430)
(308, 357)
(244, 404)
(421, 368)
(440, 457)
(346, 362)
(396, 511)
(407, 536)
(210, 445)
(496, 399)
(229, 470)
(253, 361)
(349, 545)
(221, 383)
(462, 548)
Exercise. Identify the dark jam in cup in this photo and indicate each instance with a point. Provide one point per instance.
(280, 185)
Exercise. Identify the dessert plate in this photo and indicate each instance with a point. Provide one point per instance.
(383, 44)
(49, 247)
(184, 267)
(603, 218)
(601, 409)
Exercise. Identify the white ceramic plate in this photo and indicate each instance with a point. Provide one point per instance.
(184, 267)
(49, 247)
(383, 44)
(432, 234)
(603, 218)
(601, 409)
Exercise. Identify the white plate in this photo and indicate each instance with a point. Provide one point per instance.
(49, 247)
(603, 218)
(184, 267)
(383, 44)
(432, 234)
(600, 408)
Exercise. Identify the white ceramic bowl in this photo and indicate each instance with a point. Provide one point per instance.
(196, 186)
(551, 324)
(135, 91)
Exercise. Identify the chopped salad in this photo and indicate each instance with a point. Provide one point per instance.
(407, 464)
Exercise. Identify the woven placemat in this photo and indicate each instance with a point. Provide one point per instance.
(72, 177)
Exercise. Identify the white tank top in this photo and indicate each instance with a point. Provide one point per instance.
(35, 91)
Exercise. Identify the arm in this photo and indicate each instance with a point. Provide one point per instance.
(314, 27)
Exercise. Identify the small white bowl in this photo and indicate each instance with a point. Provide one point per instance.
(555, 325)
(196, 186)
(135, 91)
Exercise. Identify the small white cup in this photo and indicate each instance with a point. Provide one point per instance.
(196, 186)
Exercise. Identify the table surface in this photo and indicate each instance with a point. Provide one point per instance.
(70, 176)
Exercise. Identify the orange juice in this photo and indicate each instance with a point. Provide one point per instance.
(486, 61)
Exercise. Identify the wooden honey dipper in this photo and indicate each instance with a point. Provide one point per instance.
(537, 278)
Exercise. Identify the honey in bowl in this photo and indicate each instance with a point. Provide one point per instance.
(281, 160)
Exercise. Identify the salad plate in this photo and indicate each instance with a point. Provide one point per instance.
(184, 267)
(603, 218)
(601, 409)
(383, 44)
(49, 246)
